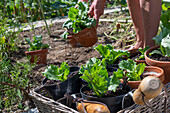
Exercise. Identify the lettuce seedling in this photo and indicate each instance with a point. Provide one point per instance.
(111, 54)
(78, 19)
(55, 73)
(142, 51)
(95, 73)
(36, 44)
(132, 70)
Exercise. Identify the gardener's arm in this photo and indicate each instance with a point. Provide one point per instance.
(96, 9)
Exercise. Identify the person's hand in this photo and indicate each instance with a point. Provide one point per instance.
(97, 9)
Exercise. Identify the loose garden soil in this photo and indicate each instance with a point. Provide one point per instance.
(61, 51)
(159, 58)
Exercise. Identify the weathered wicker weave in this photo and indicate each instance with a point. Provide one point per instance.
(157, 103)
(47, 105)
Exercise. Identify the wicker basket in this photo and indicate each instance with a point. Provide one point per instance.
(157, 103)
(43, 101)
(45, 104)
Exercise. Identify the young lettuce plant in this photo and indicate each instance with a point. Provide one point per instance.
(36, 44)
(95, 73)
(55, 73)
(111, 54)
(78, 19)
(142, 51)
(132, 70)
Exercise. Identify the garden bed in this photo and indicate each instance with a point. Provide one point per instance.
(61, 51)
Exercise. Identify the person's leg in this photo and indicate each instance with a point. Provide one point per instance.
(151, 11)
(136, 15)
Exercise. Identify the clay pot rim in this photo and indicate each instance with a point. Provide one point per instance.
(84, 30)
(158, 68)
(140, 61)
(156, 61)
(35, 51)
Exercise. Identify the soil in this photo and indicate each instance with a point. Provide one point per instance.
(159, 57)
(134, 57)
(119, 91)
(61, 51)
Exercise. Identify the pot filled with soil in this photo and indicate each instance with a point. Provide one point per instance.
(80, 27)
(139, 57)
(102, 87)
(159, 61)
(60, 81)
(37, 53)
(136, 72)
(149, 71)
(111, 99)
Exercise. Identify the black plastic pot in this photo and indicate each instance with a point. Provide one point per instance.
(72, 85)
(110, 70)
(113, 103)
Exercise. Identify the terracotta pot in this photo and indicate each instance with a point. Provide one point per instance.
(140, 61)
(152, 69)
(162, 64)
(85, 38)
(39, 55)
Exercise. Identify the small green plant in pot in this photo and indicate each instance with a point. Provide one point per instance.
(136, 72)
(80, 27)
(101, 87)
(111, 55)
(61, 80)
(140, 57)
(37, 51)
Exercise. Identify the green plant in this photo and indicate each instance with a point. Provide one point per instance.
(14, 82)
(132, 70)
(95, 73)
(163, 38)
(142, 51)
(164, 49)
(9, 40)
(111, 54)
(55, 73)
(78, 19)
(36, 44)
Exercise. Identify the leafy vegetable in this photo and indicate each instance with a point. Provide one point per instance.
(142, 51)
(95, 73)
(36, 44)
(55, 73)
(78, 19)
(163, 38)
(164, 49)
(110, 54)
(133, 71)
